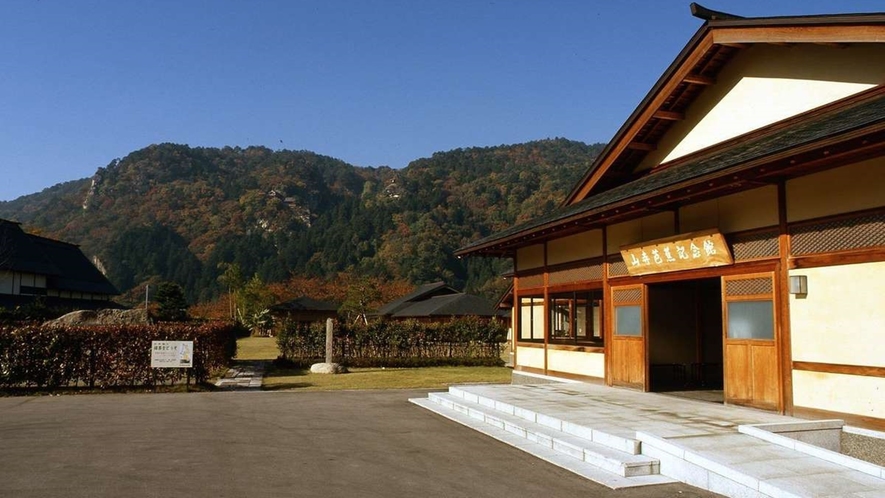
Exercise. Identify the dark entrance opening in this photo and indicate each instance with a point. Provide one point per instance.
(685, 335)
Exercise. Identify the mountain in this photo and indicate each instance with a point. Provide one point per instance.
(174, 212)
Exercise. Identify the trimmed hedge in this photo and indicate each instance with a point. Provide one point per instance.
(106, 356)
(463, 341)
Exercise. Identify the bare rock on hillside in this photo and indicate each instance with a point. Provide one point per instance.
(103, 317)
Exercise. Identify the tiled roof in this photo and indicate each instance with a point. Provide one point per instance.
(18, 252)
(78, 274)
(448, 305)
(422, 292)
(305, 303)
(64, 265)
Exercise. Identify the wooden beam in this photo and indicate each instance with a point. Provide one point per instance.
(697, 79)
(800, 34)
(735, 45)
(642, 146)
(669, 115)
(859, 370)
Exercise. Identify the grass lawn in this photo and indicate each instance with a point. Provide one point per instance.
(381, 378)
(257, 348)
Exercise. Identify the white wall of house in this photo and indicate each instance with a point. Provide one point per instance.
(584, 245)
(652, 227)
(765, 84)
(530, 257)
(746, 210)
(576, 362)
(840, 321)
(842, 190)
(530, 357)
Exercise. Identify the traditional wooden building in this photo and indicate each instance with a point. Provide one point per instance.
(732, 234)
(56, 272)
(304, 309)
(437, 302)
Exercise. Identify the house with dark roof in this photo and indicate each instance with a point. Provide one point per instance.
(437, 302)
(305, 310)
(731, 236)
(57, 272)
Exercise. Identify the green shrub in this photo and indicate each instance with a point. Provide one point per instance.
(462, 341)
(106, 356)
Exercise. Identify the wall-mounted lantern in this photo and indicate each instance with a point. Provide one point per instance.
(798, 285)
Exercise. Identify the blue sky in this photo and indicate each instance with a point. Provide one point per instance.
(370, 82)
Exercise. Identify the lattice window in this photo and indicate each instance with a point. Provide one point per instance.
(626, 295)
(755, 245)
(581, 274)
(749, 287)
(617, 267)
(531, 281)
(844, 234)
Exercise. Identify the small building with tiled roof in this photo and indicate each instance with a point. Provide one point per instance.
(437, 302)
(731, 236)
(305, 310)
(57, 272)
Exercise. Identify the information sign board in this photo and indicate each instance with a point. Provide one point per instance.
(172, 354)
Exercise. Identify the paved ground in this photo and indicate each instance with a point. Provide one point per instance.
(233, 444)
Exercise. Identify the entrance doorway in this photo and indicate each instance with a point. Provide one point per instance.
(685, 338)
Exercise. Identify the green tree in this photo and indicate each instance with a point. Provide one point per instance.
(232, 278)
(171, 302)
(361, 293)
(254, 300)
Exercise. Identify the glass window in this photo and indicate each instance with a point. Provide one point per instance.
(575, 317)
(531, 319)
(751, 320)
(628, 321)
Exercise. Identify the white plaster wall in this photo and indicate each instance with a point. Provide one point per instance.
(765, 84)
(656, 226)
(530, 357)
(839, 393)
(842, 319)
(842, 190)
(530, 257)
(575, 247)
(7, 285)
(576, 362)
(746, 210)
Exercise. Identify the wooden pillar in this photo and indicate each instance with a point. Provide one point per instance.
(782, 301)
(606, 319)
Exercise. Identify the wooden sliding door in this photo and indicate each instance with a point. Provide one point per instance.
(750, 341)
(627, 350)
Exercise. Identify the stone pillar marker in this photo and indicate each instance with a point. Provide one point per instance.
(329, 344)
(329, 367)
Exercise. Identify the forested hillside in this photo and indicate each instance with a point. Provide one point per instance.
(178, 213)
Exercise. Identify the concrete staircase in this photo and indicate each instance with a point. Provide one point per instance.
(622, 438)
(608, 459)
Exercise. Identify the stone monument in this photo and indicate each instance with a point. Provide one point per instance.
(329, 367)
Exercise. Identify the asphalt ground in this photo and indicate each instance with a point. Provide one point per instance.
(267, 444)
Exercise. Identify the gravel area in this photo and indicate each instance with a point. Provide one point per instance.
(865, 448)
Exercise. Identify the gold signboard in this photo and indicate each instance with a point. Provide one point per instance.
(682, 252)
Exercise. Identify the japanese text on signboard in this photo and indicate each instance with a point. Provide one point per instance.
(686, 252)
(172, 354)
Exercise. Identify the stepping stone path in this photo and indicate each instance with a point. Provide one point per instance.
(243, 376)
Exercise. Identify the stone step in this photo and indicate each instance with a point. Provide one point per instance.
(546, 453)
(614, 441)
(740, 465)
(548, 435)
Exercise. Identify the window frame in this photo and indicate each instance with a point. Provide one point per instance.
(594, 302)
(535, 335)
